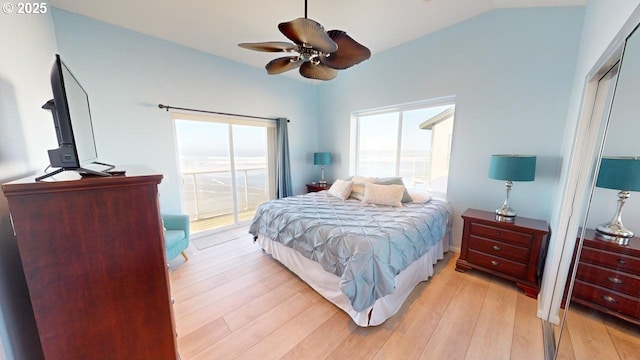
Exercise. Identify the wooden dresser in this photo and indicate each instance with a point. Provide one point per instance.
(93, 255)
(608, 277)
(511, 250)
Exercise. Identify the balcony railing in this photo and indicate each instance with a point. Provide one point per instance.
(209, 194)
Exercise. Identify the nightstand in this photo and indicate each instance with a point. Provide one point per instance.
(511, 250)
(317, 187)
(608, 277)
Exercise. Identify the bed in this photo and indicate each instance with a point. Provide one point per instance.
(364, 258)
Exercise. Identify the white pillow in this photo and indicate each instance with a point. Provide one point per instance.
(389, 195)
(341, 189)
(420, 196)
(357, 190)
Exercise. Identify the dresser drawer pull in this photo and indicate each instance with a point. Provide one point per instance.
(497, 233)
(494, 263)
(609, 299)
(614, 280)
(621, 261)
(496, 248)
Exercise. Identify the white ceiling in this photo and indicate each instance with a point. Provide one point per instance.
(217, 26)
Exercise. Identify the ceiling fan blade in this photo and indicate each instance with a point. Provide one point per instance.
(270, 46)
(280, 65)
(306, 31)
(318, 72)
(349, 52)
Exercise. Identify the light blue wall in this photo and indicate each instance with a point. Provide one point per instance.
(27, 49)
(511, 72)
(127, 74)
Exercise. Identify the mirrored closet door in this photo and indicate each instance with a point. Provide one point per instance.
(601, 317)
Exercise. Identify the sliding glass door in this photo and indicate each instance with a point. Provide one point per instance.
(226, 168)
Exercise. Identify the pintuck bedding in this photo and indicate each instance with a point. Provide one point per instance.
(364, 248)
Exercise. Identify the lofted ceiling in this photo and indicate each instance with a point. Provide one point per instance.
(217, 26)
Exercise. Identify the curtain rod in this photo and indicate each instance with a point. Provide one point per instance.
(168, 107)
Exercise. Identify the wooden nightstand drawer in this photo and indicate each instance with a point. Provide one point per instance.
(611, 260)
(514, 250)
(607, 278)
(499, 248)
(605, 299)
(496, 263)
(317, 187)
(501, 234)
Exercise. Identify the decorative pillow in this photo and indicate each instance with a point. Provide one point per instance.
(406, 197)
(390, 195)
(357, 189)
(420, 196)
(341, 189)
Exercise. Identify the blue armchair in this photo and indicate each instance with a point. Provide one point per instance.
(176, 235)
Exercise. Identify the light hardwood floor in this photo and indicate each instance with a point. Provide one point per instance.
(234, 301)
(592, 335)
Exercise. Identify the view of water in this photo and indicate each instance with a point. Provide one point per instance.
(207, 190)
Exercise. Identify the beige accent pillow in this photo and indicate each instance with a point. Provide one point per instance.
(357, 189)
(341, 189)
(420, 196)
(389, 195)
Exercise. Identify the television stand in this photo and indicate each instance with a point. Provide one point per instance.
(109, 166)
(81, 171)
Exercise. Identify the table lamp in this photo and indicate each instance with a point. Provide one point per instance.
(322, 158)
(511, 168)
(618, 173)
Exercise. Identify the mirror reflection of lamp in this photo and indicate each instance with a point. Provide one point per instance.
(511, 168)
(322, 159)
(618, 173)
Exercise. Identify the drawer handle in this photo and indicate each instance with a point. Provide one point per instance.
(496, 248)
(614, 280)
(621, 261)
(609, 299)
(494, 263)
(497, 233)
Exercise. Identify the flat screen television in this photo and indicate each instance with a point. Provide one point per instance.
(72, 120)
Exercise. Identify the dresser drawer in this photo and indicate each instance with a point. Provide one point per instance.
(609, 279)
(610, 300)
(500, 234)
(611, 260)
(499, 248)
(497, 263)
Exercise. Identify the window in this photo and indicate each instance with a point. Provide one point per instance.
(226, 165)
(412, 141)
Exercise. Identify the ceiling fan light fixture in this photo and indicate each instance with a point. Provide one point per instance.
(320, 53)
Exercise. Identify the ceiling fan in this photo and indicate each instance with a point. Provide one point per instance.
(320, 53)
